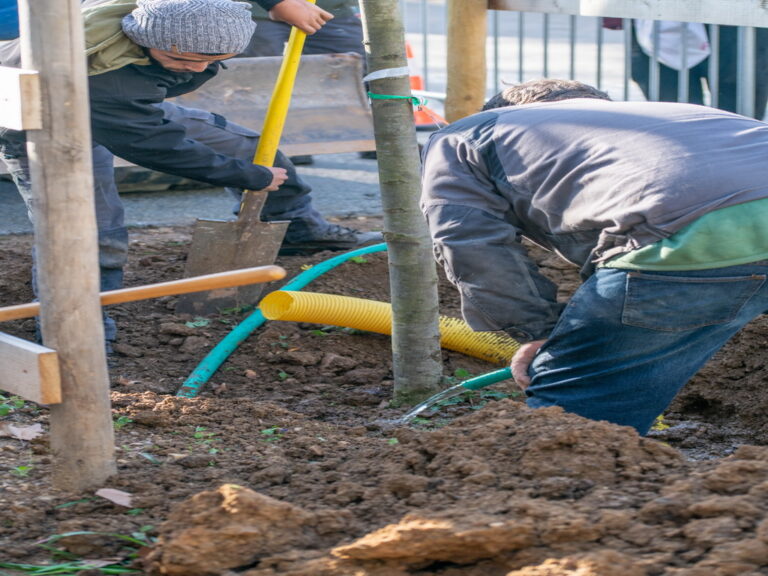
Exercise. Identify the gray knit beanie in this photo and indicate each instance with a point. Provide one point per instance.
(199, 26)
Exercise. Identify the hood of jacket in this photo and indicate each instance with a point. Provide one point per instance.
(106, 46)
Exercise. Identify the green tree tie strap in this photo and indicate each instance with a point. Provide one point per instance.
(415, 100)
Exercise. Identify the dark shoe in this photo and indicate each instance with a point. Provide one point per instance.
(304, 160)
(369, 155)
(334, 237)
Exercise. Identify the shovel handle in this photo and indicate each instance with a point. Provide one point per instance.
(274, 120)
(227, 279)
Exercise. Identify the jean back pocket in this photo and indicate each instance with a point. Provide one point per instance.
(680, 303)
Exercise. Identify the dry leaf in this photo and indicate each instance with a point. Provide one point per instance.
(20, 432)
(116, 496)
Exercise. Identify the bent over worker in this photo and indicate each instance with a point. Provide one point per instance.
(142, 52)
(661, 205)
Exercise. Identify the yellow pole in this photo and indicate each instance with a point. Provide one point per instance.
(274, 120)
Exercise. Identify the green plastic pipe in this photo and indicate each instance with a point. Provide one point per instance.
(484, 380)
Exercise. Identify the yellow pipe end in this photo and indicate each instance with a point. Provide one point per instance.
(373, 316)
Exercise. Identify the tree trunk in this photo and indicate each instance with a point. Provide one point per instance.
(417, 361)
(82, 438)
(467, 32)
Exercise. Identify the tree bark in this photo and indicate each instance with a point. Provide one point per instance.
(417, 361)
(466, 62)
(82, 438)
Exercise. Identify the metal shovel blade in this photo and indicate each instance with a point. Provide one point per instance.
(221, 245)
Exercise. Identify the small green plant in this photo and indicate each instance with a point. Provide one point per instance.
(233, 311)
(318, 333)
(282, 342)
(272, 434)
(73, 503)
(359, 259)
(205, 438)
(10, 404)
(198, 322)
(71, 565)
(21, 471)
(459, 375)
(121, 422)
(202, 436)
(420, 420)
(283, 375)
(498, 394)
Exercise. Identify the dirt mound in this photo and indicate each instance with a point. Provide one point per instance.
(505, 489)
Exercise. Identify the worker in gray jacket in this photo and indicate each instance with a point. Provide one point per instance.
(661, 205)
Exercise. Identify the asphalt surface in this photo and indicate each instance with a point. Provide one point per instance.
(343, 185)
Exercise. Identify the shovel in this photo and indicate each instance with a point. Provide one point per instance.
(219, 245)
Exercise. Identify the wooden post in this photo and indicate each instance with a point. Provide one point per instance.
(82, 438)
(466, 63)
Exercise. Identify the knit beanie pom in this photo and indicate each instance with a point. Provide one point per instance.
(199, 26)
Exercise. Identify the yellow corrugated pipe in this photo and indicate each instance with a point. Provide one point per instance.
(374, 316)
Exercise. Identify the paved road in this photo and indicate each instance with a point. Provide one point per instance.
(344, 185)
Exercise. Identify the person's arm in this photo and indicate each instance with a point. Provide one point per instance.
(478, 245)
(125, 119)
(306, 16)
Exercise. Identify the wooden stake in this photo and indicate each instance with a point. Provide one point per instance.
(82, 437)
(466, 63)
(29, 370)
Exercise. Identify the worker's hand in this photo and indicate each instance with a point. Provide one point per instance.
(522, 359)
(304, 15)
(279, 175)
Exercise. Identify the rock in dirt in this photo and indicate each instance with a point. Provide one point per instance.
(127, 350)
(604, 563)
(226, 528)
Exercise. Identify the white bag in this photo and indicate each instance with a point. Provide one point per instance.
(671, 42)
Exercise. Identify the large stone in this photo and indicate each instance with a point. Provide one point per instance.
(218, 530)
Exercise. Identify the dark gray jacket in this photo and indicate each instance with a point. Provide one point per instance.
(588, 179)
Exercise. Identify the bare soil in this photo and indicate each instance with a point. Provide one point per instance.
(281, 464)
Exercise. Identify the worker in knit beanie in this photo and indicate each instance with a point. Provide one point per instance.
(197, 26)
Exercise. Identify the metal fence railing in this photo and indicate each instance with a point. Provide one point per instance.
(543, 39)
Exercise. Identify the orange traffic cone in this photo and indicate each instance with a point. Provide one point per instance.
(423, 116)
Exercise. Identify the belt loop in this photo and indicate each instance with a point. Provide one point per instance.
(219, 120)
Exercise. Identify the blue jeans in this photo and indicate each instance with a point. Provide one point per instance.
(628, 341)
